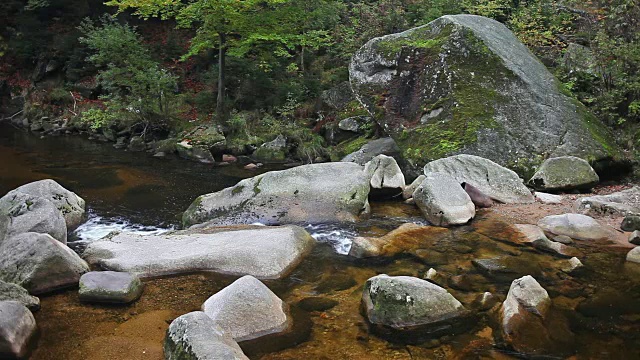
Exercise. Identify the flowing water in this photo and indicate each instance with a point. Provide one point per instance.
(597, 312)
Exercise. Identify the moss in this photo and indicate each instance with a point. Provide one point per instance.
(353, 108)
(237, 190)
(468, 108)
(598, 131)
(347, 147)
(392, 47)
(256, 187)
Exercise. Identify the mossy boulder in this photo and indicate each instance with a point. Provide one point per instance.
(465, 84)
(564, 173)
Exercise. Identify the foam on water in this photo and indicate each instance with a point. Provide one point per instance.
(98, 227)
(338, 237)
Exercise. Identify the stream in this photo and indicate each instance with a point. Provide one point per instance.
(598, 310)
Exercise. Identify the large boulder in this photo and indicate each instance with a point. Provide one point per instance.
(39, 263)
(564, 173)
(316, 193)
(28, 213)
(384, 146)
(13, 292)
(109, 287)
(576, 226)
(625, 202)
(67, 202)
(408, 304)
(493, 180)
(264, 252)
(465, 84)
(443, 201)
(526, 306)
(195, 336)
(17, 330)
(247, 309)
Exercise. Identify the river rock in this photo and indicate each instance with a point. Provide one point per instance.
(443, 201)
(404, 303)
(495, 181)
(572, 265)
(274, 150)
(39, 263)
(634, 238)
(525, 307)
(630, 223)
(576, 226)
(478, 198)
(110, 287)
(407, 193)
(13, 292)
(199, 153)
(264, 252)
(625, 202)
(385, 173)
(534, 236)
(247, 309)
(67, 202)
(17, 330)
(548, 199)
(405, 238)
(465, 84)
(315, 193)
(634, 255)
(564, 173)
(29, 213)
(136, 144)
(384, 146)
(195, 336)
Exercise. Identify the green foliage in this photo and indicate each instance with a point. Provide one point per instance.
(138, 88)
(60, 96)
(497, 9)
(97, 119)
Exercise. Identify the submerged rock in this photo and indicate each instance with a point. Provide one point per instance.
(491, 179)
(443, 201)
(404, 238)
(564, 173)
(70, 205)
(39, 263)
(625, 202)
(110, 287)
(409, 304)
(465, 84)
(195, 336)
(576, 226)
(17, 330)
(33, 214)
(526, 305)
(317, 303)
(247, 309)
(316, 193)
(13, 292)
(264, 252)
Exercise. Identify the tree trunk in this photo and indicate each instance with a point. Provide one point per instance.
(221, 112)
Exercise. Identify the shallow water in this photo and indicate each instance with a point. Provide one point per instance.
(600, 306)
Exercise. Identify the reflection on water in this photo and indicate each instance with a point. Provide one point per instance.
(600, 306)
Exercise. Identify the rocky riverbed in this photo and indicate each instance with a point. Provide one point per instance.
(587, 306)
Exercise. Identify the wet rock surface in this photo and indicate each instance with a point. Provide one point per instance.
(625, 202)
(109, 287)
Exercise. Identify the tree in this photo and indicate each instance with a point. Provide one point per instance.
(233, 27)
(138, 88)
